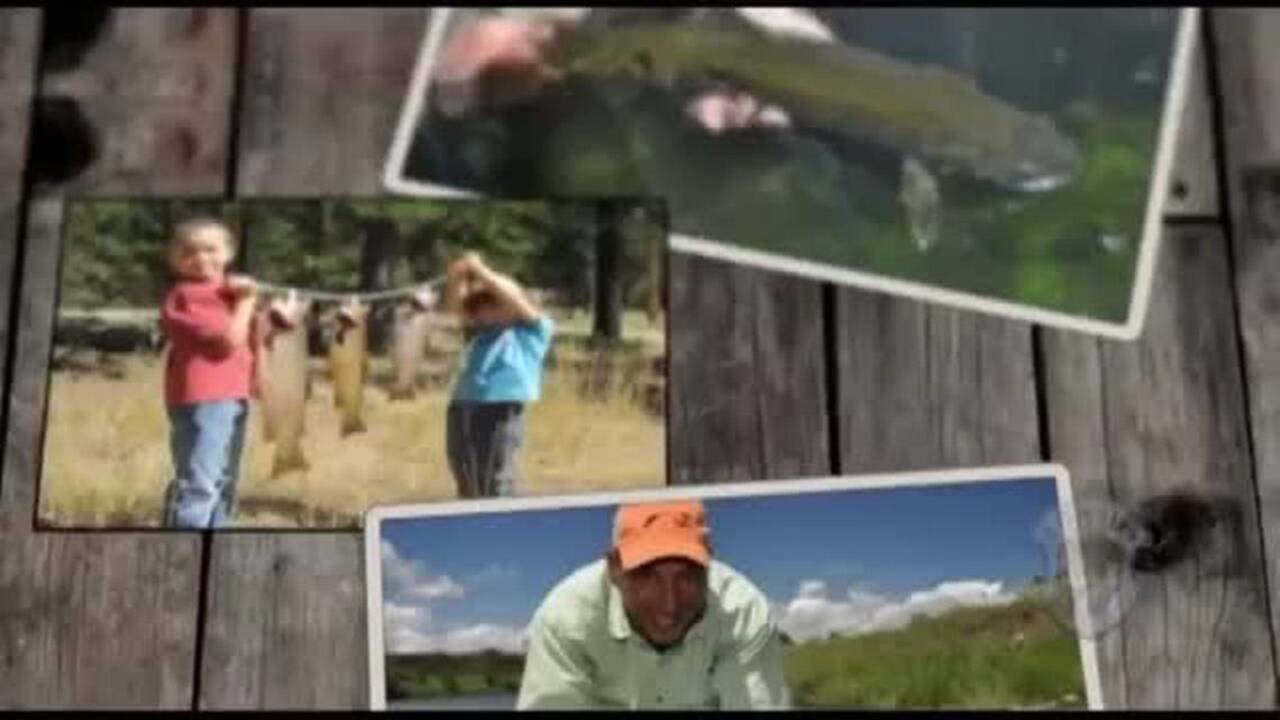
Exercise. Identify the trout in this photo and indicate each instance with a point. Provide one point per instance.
(408, 344)
(349, 364)
(926, 112)
(282, 385)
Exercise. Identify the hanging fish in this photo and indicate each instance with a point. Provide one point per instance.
(936, 115)
(282, 383)
(409, 342)
(349, 364)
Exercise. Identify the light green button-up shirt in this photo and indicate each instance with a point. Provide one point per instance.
(583, 653)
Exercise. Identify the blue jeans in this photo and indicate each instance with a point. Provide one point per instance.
(481, 442)
(206, 440)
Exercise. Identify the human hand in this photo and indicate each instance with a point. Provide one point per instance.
(466, 265)
(493, 61)
(243, 287)
(720, 111)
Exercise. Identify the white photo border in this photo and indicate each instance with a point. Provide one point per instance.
(1185, 42)
(374, 518)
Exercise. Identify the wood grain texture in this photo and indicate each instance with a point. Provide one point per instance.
(105, 620)
(1164, 413)
(924, 386)
(1073, 385)
(286, 623)
(286, 618)
(322, 93)
(1248, 52)
(1193, 185)
(19, 37)
(748, 379)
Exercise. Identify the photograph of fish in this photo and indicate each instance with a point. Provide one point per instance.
(956, 589)
(291, 362)
(1010, 161)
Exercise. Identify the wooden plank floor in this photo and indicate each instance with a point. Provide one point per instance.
(772, 376)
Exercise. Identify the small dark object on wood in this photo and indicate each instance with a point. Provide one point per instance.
(1164, 530)
(1262, 202)
(64, 143)
(70, 32)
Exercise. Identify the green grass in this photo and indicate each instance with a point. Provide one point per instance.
(965, 659)
(106, 454)
(1014, 656)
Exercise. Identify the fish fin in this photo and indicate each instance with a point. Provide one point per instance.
(921, 201)
(287, 462)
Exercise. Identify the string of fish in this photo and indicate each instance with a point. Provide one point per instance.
(285, 376)
(367, 296)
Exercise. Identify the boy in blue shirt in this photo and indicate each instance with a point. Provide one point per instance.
(507, 342)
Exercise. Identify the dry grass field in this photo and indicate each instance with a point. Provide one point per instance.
(106, 457)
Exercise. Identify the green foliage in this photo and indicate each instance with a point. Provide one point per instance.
(425, 676)
(114, 250)
(964, 659)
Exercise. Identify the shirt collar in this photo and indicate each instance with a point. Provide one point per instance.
(619, 625)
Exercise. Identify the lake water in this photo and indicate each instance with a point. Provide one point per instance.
(483, 701)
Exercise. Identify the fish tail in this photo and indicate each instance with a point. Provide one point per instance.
(352, 425)
(287, 461)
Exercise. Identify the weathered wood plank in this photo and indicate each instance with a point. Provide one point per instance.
(285, 624)
(19, 38)
(1248, 55)
(107, 620)
(1071, 377)
(748, 376)
(1163, 413)
(1193, 185)
(924, 386)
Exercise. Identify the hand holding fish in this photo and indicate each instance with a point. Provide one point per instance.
(497, 61)
(493, 62)
(287, 312)
(466, 267)
(242, 286)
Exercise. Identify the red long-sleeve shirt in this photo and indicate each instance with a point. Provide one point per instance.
(202, 364)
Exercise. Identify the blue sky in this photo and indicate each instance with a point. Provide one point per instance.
(888, 541)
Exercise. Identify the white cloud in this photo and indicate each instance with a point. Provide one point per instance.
(812, 615)
(477, 638)
(404, 579)
(408, 623)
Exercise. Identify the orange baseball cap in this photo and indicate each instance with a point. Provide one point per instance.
(644, 532)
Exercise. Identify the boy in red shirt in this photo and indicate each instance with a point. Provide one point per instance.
(206, 317)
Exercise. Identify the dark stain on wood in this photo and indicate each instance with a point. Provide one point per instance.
(70, 32)
(197, 21)
(188, 144)
(1262, 202)
(64, 142)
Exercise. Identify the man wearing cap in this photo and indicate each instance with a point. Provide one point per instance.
(655, 624)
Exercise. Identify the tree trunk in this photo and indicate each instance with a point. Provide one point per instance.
(656, 280)
(607, 320)
(377, 259)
